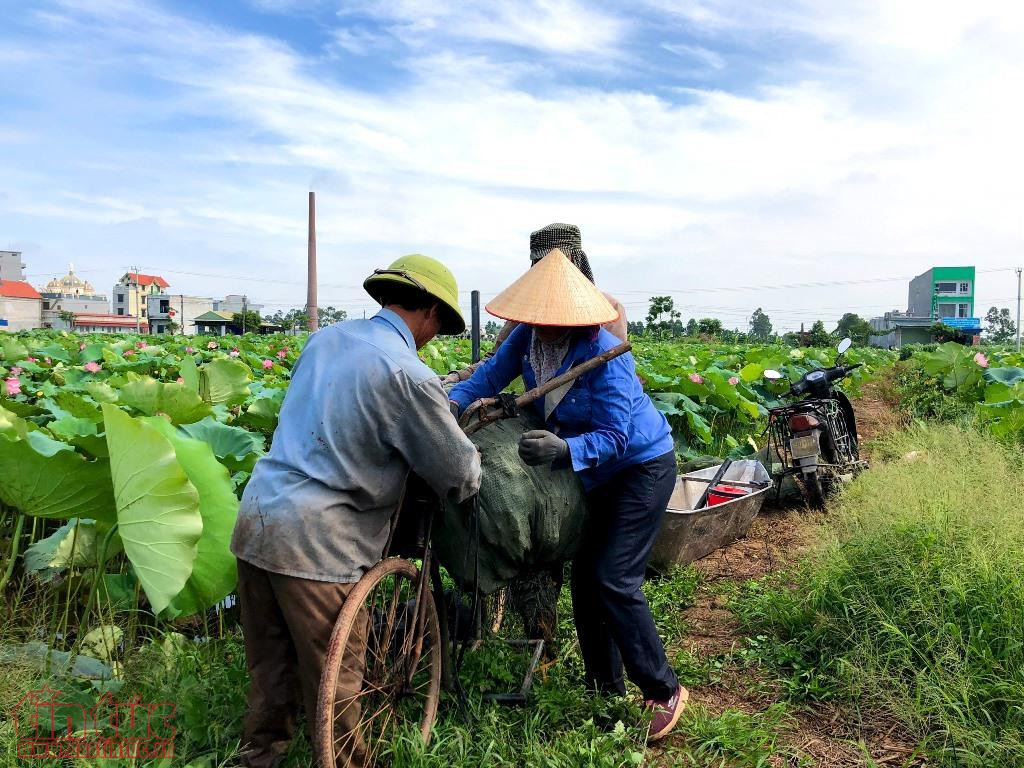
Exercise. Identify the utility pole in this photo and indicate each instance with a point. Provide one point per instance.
(245, 306)
(311, 266)
(138, 303)
(1019, 270)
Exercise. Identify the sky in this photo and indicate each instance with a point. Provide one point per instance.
(803, 157)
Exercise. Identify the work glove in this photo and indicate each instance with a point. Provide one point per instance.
(538, 446)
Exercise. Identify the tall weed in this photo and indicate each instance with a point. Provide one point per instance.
(916, 601)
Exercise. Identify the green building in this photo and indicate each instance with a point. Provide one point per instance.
(942, 294)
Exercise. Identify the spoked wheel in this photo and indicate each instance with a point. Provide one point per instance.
(383, 666)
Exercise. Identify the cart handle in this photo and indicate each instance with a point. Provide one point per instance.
(476, 408)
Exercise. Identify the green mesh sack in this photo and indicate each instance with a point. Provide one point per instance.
(530, 518)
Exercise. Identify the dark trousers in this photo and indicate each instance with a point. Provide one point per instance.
(613, 620)
(287, 624)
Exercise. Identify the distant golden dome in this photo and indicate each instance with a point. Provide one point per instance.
(70, 285)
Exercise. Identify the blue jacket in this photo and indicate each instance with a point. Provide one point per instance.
(606, 418)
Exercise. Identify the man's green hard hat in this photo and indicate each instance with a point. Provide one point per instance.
(427, 274)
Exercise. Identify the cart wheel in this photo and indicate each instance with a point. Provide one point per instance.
(394, 680)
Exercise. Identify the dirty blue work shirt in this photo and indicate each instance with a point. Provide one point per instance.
(361, 411)
(606, 418)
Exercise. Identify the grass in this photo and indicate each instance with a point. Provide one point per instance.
(914, 603)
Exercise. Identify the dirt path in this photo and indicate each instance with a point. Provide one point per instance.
(826, 734)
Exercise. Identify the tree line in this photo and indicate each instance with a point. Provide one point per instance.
(665, 321)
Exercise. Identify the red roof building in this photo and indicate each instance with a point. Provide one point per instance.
(21, 306)
(16, 289)
(138, 278)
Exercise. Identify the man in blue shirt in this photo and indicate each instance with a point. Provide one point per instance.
(605, 428)
(361, 412)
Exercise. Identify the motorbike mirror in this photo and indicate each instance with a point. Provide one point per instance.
(772, 375)
(844, 345)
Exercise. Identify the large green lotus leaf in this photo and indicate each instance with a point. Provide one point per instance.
(1003, 418)
(214, 572)
(264, 410)
(189, 373)
(224, 381)
(92, 353)
(13, 350)
(119, 590)
(21, 407)
(53, 351)
(157, 507)
(43, 477)
(76, 406)
(1008, 376)
(68, 427)
(233, 445)
(101, 392)
(73, 544)
(151, 397)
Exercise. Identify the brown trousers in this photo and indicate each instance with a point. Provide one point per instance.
(287, 623)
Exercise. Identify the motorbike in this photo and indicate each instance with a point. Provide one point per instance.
(815, 437)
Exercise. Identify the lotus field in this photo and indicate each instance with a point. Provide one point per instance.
(123, 458)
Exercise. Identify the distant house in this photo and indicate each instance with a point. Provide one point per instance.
(104, 322)
(163, 309)
(21, 306)
(234, 302)
(131, 292)
(220, 323)
(942, 294)
(70, 294)
(11, 266)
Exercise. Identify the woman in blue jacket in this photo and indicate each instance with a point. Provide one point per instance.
(607, 430)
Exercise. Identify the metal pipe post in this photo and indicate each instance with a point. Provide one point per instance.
(1019, 270)
(311, 310)
(476, 325)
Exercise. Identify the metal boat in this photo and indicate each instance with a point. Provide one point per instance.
(688, 534)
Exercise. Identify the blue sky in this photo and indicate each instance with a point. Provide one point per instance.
(710, 149)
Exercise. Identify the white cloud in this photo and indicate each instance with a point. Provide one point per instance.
(553, 26)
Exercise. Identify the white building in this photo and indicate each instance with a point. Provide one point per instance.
(234, 302)
(163, 309)
(11, 266)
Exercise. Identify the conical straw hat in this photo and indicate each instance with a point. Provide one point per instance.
(553, 292)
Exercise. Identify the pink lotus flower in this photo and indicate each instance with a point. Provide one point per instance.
(267, 364)
(233, 353)
(48, 361)
(696, 378)
(281, 353)
(91, 367)
(733, 381)
(189, 351)
(140, 344)
(13, 387)
(16, 370)
(212, 345)
(32, 359)
(981, 360)
(180, 380)
(129, 352)
(81, 346)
